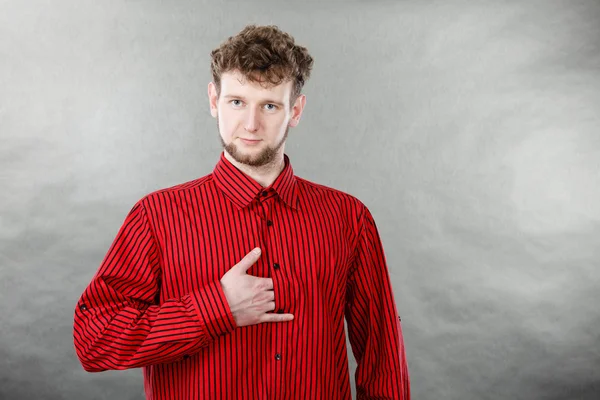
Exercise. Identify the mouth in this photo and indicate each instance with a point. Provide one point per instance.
(250, 141)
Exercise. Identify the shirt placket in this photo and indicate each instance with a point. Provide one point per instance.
(274, 266)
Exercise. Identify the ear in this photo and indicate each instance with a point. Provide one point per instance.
(212, 99)
(297, 110)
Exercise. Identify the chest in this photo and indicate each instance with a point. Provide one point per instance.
(304, 250)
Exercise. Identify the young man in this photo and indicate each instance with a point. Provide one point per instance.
(183, 293)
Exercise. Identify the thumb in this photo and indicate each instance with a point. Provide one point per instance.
(249, 260)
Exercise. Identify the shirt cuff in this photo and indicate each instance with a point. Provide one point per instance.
(213, 309)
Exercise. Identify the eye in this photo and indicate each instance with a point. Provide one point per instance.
(272, 108)
(234, 102)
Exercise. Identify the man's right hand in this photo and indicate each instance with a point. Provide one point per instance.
(250, 298)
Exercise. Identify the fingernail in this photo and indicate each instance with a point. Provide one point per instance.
(257, 250)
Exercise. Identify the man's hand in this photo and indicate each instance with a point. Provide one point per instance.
(250, 298)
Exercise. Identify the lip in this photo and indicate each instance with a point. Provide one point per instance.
(249, 141)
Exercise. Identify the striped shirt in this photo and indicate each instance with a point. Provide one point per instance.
(156, 300)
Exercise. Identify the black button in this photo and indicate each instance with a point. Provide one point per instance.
(275, 266)
(83, 307)
(269, 223)
(399, 319)
(185, 357)
(264, 193)
(278, 356)
(280, 311)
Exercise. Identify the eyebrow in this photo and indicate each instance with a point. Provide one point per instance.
(232, 96)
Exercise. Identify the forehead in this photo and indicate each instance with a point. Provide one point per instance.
(234, 83)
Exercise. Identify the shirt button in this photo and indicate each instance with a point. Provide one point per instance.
(275, 266)
(83, 307)
(280, 311)
(264, 193)
(186, 356)
(269, 223)
(278, 356)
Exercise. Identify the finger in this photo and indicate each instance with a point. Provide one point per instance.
(264, 284)
(263, 297)
(249, 260)
(270, 306)
(277, 317)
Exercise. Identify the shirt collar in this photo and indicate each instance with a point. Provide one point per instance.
(241, 189)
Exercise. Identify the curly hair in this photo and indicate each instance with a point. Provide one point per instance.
(265, 55)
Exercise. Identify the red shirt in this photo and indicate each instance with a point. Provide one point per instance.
(156, 301)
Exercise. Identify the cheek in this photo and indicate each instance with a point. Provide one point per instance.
(227, 123)
(276, 123)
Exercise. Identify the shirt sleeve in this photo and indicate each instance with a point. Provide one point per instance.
(119, 322)
(374, 327)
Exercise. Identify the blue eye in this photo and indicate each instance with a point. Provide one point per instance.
(234, 101)
(274, 107)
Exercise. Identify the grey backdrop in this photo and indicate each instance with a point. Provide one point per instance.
(470, 129)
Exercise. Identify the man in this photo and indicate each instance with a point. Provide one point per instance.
(183, 292)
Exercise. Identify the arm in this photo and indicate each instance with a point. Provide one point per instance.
(373, 325)
(118, 322)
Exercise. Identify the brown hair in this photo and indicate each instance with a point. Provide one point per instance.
(265, 55)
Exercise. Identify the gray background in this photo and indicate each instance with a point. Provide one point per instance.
(470, 129)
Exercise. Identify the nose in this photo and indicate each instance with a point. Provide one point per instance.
(252, 121)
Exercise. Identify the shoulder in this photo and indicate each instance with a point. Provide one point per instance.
(173, 191)
(315, 192)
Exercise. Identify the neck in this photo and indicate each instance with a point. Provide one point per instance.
(266, 174)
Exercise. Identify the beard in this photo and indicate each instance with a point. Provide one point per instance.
(265, 156)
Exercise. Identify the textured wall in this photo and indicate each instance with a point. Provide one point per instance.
(470, 129)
